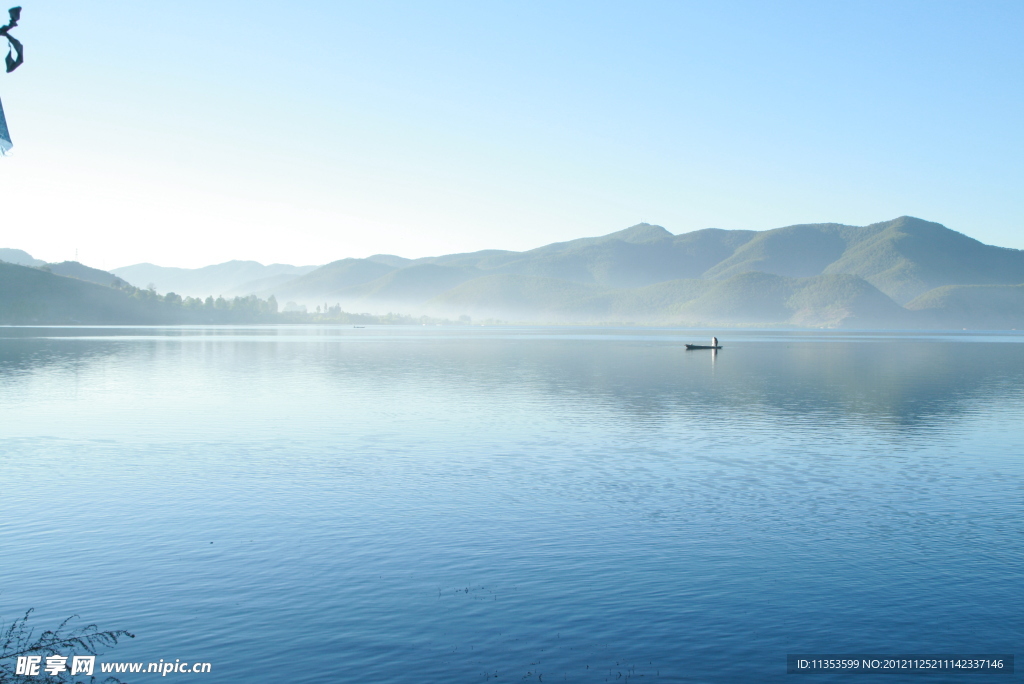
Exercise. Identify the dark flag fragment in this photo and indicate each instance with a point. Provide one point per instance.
(14, 45)
(5, 136)
(15, 57)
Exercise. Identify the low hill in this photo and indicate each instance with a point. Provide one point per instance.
(208, 280)
(990, 307)
(659, 303)
(903, 258)
(17, 256)
(845, 301)
(390, 260)
(817, 301)
(755, 299)
(34, 296)
(822, 274)
(514, 296)
(328, 280)
(261, 285)
(407, 287)
(643, 254)
(906, 257)
(795, 251)
(73, 269)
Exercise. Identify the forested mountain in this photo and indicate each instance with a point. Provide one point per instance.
(750, 298)
(901, 273)
(73, 269)
(20, 257)
(37, 296)
(813, 274)
(329, 279)
(218, 279)
(33, 295)
(972, 306)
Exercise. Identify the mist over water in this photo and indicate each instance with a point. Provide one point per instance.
(396, 504)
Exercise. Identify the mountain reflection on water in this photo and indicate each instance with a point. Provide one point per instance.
(514, 504)
(884, 379)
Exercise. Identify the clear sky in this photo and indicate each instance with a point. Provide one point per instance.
(187, 133)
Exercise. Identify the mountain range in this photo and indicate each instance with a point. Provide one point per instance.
(903, 273)
(888, 274)
(228, 279)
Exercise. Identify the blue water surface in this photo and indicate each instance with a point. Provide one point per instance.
(441, 504)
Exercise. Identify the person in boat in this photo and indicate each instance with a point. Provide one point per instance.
(714, 342)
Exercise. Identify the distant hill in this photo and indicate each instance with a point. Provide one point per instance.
(390, 260)
(261, 285)
(824, 274)
(972, 306)
(32, 295)
(17, 256)
(327, 280)
(903, 258)
(795, 251)
(754, 298)
(900, 273)
(746, 299)
(906, 257)
(515, 296)
(641, 255)
(73, 269)
(37, 296)
(209, 280)
(409, 286)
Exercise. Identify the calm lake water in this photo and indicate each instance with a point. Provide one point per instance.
(388, 504)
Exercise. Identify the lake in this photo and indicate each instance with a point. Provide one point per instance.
(444, 504)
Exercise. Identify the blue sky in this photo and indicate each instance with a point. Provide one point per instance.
(190, 133)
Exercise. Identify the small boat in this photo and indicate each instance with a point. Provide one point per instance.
(701, 346)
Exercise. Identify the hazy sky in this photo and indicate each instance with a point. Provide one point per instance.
(188, 133)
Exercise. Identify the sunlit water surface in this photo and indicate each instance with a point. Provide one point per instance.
(387, 504)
